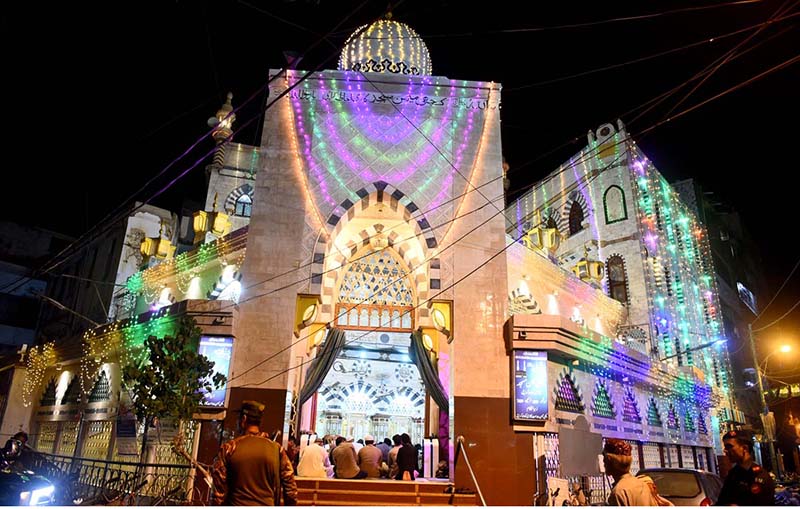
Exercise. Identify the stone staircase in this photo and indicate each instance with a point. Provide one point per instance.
(378, 492)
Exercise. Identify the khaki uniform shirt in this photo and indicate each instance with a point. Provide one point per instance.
(253, 470)
(630, 491)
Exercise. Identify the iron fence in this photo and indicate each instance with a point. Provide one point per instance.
(99, 482)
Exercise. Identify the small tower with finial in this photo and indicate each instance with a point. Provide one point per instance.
(222, 129)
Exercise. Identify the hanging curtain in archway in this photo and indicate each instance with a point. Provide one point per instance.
(322, 363)
(428, 372)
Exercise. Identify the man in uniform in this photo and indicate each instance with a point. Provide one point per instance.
(747, 483)
(252, 469)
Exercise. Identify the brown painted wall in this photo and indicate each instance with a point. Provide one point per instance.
(502, 459)
(274, 399)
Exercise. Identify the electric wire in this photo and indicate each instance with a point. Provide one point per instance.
(770, 324)
(726, 57)
(47, 266)
(705, 40)
(676, 116)
(791, 273)
(705, 71)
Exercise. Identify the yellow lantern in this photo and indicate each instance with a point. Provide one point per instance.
(441, 315)
(200, 222)
(149, 246)
(165, 248)
(221, 225)
(306, 312)
(588, 270)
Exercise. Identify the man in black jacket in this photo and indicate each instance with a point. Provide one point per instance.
(747, 483)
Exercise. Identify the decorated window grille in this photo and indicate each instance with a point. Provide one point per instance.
(46, 440)
(635, 466)
(98, 437)
(672, 418)
(653, 415)
(69, 438)
(375, 293)
(602, 406)
(630, 409)
(568, 397)
(244, 206)
(671, 456)
(49, 395)
(652, 455)
(687, 456)
(552, 463)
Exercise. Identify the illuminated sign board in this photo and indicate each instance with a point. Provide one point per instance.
(218, 350)
(530, 385)
(747, 297)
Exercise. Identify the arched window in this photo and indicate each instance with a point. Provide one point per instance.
(575, 218)
(617, 281)
(614, 205)
(244, 206)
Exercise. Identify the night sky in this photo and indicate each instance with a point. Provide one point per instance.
(99, 99)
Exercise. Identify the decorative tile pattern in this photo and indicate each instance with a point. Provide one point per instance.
(568, 397)
(630, 410)
(653, 415)
(602, 406)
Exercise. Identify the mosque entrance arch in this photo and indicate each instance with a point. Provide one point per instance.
(373, 386)
(377, 269)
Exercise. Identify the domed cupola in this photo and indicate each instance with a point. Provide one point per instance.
(386, 46)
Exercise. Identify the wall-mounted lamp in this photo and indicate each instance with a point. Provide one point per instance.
(306, 312)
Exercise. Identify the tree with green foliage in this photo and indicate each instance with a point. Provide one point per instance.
(173, 378)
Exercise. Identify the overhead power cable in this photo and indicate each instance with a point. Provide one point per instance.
(120, 213)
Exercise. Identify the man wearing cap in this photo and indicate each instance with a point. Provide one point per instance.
(627, 489)
(314, 461)
(370, 458)
(346, 460)
(747, 483)
(251, 469)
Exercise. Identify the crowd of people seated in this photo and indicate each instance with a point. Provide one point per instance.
(342, 458)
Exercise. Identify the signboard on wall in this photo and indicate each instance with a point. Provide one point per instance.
(747, 297)
(531, 392)
(218, 350)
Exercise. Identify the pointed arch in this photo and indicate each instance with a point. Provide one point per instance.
(617, 279)
(576, 217)
(614, 205)
(412, 251)
(232, 201)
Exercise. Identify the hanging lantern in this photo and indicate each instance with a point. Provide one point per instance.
(165, 249)
(588, 270)
(200, 222)
(157, 246)
(221, 225)
(218, 223)
(149, 246)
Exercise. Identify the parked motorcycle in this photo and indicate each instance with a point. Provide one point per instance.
(18, 485)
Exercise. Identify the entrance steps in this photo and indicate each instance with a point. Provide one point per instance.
(333, 492)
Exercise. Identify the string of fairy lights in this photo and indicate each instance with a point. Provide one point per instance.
(680, 250)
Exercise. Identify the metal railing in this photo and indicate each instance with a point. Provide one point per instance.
(469, 467)
(91, 481)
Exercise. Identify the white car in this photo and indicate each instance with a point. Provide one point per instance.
(683, 486)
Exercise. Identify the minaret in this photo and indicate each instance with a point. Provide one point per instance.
(222, 124)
